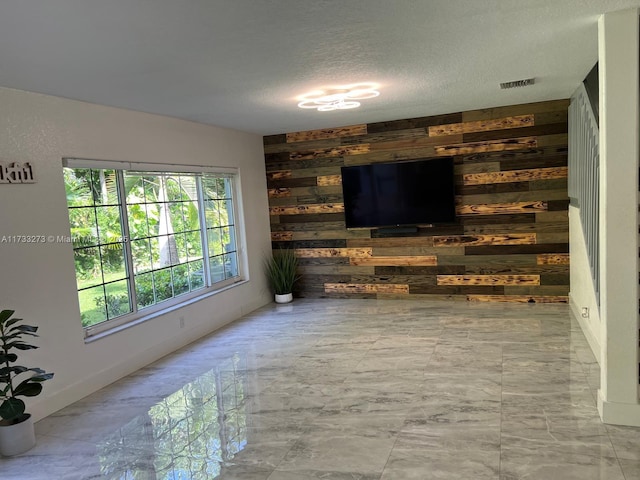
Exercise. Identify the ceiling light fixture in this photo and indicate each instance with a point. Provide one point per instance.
(338, 98)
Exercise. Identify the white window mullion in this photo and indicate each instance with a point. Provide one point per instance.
(203, 233)
(124, 219)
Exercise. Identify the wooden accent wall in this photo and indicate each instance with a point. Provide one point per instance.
(510, 242)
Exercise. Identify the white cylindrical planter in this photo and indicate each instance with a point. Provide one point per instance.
(285, 298)
(18, 438)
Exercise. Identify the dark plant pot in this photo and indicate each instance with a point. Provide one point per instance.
(17, 438)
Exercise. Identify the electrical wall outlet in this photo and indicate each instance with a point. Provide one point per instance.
(585, 312)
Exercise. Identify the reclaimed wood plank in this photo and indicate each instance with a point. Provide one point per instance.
(536, 290)
(330, 152)
(481, 125)
(488, 146)
(519, 298)
(329, 234)
(304, 209)
(336, 270)
(391, 242)
(502, 208)
(497, 239)
(512, 197)
(281, 236)
(417, 251)
(468, 168)
(553, 259)
(515, 176)
(511, 110)
(508, 259)
(365, 288)
(416, 142)
(529, 131)
(279, 175)
(488, 279)
(325, 180)
(419, 122)
(389, 260)
(279, 192)
(326, 133)
(334, 252)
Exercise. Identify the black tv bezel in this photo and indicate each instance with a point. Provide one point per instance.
(391, 226)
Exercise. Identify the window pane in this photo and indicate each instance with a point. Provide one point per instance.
(117, 299)
(196, 274)
(109, 229)
(113, 263)
(77, 183)
(231, 265)
(193, 245)
(215, 241)
(88, 267)
(105, 187)
(163, 285)
(217, 269)
(83, 226)
(140, 250)
(180, 279)
(145, 292)
(92, 306)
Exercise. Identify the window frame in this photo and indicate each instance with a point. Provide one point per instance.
(138, 316)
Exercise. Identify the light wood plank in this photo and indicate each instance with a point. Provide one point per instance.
(396, 261)
(281, 236)
(325, 180)
(515, 176)
(501, 208)
(482, 125)
(323, 133)
(306, 209)
(487, 146)
(488, 279)
(366, 288)
(553, 259)
(333, 252)
(470, 240)
(519, 298)
(279, 192)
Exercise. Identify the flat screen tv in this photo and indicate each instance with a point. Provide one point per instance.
(399, 194)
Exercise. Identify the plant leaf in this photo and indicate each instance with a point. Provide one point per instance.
(5, 315)
(12, 408)
(8, 357)
(28, 389)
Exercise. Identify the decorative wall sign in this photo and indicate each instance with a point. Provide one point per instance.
(17, 173)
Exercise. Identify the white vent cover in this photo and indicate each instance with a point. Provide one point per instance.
(518, 83)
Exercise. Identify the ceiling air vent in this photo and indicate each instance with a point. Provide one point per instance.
(518, 83)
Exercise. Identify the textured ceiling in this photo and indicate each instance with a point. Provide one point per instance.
(241, 63)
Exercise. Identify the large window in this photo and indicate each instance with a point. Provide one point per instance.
(146, 240)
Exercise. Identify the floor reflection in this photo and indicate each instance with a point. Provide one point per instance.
(191, 434)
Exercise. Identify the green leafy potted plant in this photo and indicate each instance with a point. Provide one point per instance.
(281, 269)
(16, 427)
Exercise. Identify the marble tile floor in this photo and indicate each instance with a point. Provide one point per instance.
(351, 390)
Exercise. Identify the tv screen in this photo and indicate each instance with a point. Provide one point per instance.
(399, 193)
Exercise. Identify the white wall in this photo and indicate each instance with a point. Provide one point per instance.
(619, 150)
(582, 292)
(38, 281)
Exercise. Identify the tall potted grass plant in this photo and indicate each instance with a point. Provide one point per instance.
(281, 269)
